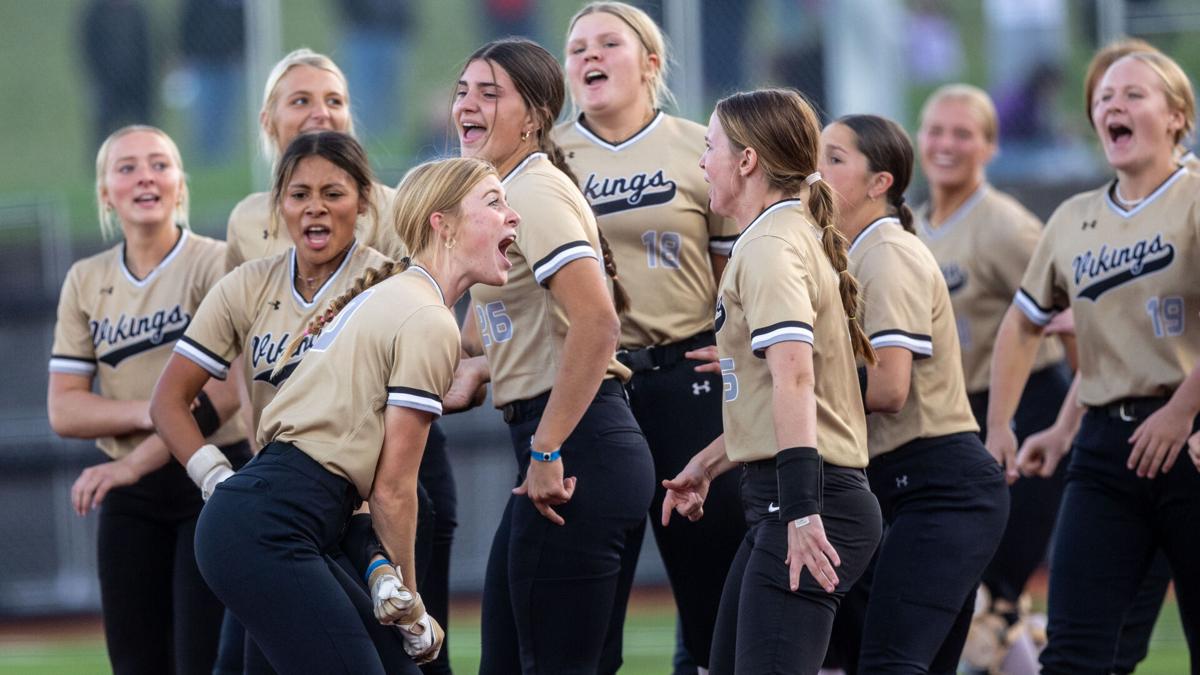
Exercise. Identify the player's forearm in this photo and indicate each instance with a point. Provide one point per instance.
(83, 414)
(150, 455)
(1013, 356)
(1070, 415)
(588, 347)
(394, 516)
(1187, 396)
(713, 459)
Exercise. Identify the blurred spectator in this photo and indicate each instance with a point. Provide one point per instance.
(503, 18)
(213, 41)
(374, 50)
(1022, 34)
(116, 55)
(1026, 110)
(935, 50)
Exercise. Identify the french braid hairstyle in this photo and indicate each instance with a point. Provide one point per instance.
(541, 83)
(785, 132)
(437, 186)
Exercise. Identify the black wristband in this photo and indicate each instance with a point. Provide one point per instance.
(206, 415)
(800, 482)
(862, 385)
(359, 541)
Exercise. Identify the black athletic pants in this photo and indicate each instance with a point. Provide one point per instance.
(159, 615)
(267, 543)
(763, 627)
(945, 503)
(1034, 501)
(552, 598)
(679, 410)
(1110, 525)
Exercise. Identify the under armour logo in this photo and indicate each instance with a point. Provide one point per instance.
(107, 290)
(902, 481)
(772, 507)
(701, 388)
(266, 235)
(1088, 224)
(273, 303)
(571, 155)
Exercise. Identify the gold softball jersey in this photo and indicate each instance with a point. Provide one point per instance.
(651, 201)
(983, 249)
(256, 310)
(905, 304)
(779, 287)
(250, 237)
(1190, 161)
(1129, 276)
(119, 329)
(396, 343)
(522, 327)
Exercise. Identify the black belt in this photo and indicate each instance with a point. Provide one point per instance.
(1133, 409)
(531, 408)
(661, 356)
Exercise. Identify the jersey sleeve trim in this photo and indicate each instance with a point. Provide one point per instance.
(72, 365)
(920, 345)
(722, 245)
(784, 331)
(559, 257)
(196, 352)
(408, 397)
(1035, 312)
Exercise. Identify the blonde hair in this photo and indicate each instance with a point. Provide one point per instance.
(300, 57)
(1175, 85)
(784, 131)
(976, 99)
(1102, 59)
(438, 186)
(108, 224)
(648, 34)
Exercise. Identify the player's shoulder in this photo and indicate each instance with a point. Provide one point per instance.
(1080, 206)
(683, 128)
(257, 272)
(254, 205)
(1005, 208)
(199, 244)
(97, 263)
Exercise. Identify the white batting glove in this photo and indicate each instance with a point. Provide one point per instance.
(207, 468)
(394, 603)
(423, 639)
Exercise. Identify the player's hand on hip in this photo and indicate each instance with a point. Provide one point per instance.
(1063, 323)
(423, 639)
(470, 381)
(709, 356)
(546, 488)
(95, 482)
(394, 602)
(808, 547)
(686, 493)
(1194, 449)
(1041, 453)
(1157, 441)
(1002, 446)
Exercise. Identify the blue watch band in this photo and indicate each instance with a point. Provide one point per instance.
(544, 456)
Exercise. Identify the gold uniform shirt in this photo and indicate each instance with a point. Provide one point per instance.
(651, 201)
(983, 249)
(1130, 278)
(780, 287)
(249, 231)
(119, 329)
(522, 327)
(396, 343)
(256, 310)
(905, 304)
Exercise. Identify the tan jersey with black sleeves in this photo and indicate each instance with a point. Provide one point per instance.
(1131, 281)
(119, 329)
(905, 304)
(256, 310)
(779, 287)
(522, 327)
(651, 201)
(983, 249)
(396, 343)
(249, 231)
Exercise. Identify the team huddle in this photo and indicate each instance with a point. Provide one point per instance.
(854, 424)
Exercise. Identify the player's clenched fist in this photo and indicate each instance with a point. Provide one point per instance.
(394, 603)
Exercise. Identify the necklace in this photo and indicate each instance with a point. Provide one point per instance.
(1127, 202)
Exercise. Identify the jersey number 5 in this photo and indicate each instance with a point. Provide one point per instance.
(729, 383)
(494, 323)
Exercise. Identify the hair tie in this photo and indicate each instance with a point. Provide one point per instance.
(812, 178)
(900, 201)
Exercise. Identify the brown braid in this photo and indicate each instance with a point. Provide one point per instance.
(820, 204)
(368, 279)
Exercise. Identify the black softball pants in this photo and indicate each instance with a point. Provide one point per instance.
(159, 615)
(763, 627)
(944, 503)
(1110, 526)
(552, 598)
(267, 543)
(436, 538)
(679, 410)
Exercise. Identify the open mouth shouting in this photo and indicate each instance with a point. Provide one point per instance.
(507, 241)
(471, 133)
(594, 76)
(317, 236)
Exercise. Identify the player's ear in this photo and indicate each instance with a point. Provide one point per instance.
(748, 161)
(881, 182)
(364, 199)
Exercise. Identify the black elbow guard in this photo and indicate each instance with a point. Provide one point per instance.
(800, 482)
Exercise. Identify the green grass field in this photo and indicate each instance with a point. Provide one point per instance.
(649, 641)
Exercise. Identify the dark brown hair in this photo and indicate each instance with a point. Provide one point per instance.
(887, 148)
(339, 149)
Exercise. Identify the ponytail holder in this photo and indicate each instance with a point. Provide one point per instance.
(406, 261)
(812, 178)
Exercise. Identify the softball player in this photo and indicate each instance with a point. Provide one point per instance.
(982, 239)
(936, 484)
(554, 595)
(119, 313)
(635, 165)
(350, 424)
(792, 411)
(1105, 251)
